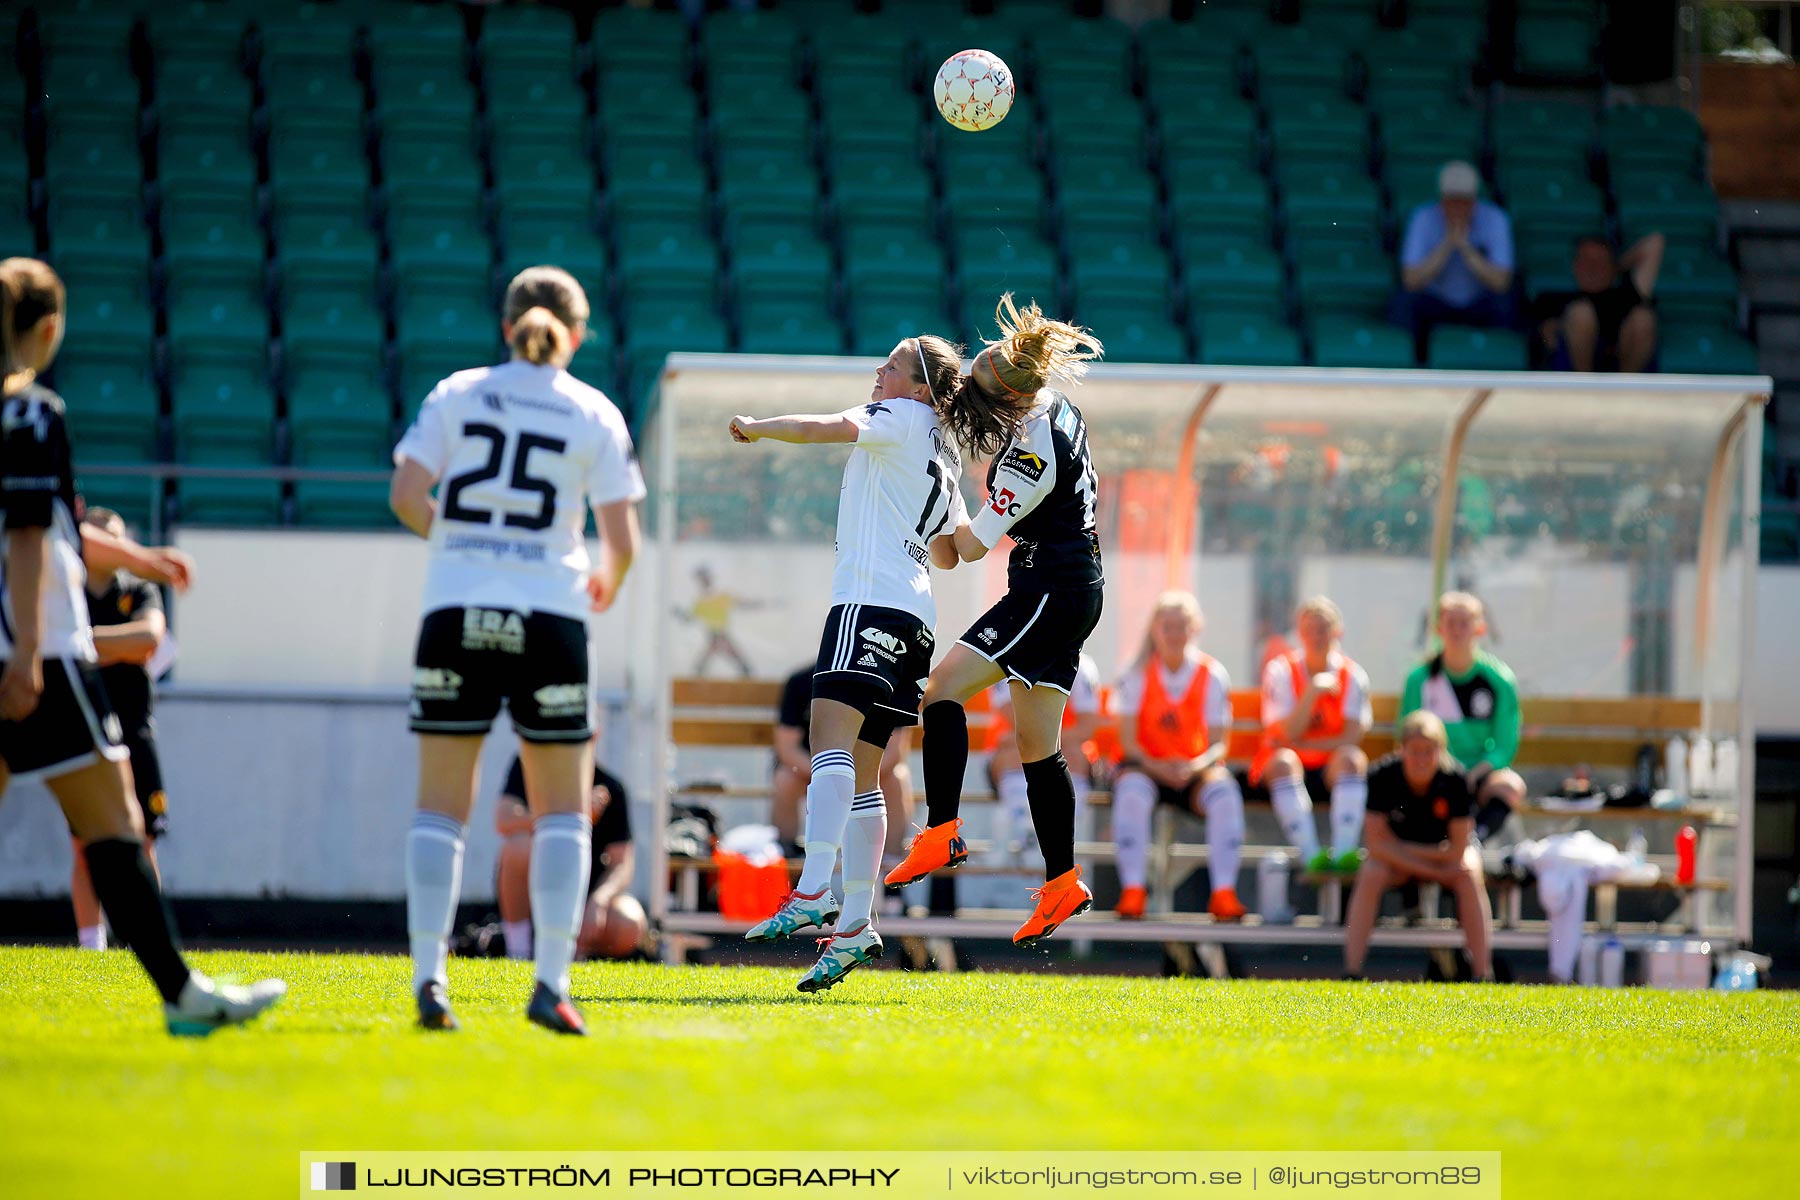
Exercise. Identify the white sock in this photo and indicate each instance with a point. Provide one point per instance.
(92, 937)
(1224, 807)
(560, 852)
(828, 799)
(1293, 809)
(863, 837)
(1349, 800)
(1015, 809)
(1134, 799)
(518, 938)
(434, 856)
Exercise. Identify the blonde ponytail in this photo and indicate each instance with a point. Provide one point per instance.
(1033, 349)
(30, 292)
(539, 337)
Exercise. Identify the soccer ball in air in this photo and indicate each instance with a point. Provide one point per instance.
(974, 90)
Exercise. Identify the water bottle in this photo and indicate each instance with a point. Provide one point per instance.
(1700, 766)
(1612, 963)
(1675, 766)
(1725, 767)
(1686, 841)
(1587, 969)
(1272, 890)
(1737, 975)
(1637, 847)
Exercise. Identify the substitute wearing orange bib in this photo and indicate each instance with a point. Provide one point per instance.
(1327, 716)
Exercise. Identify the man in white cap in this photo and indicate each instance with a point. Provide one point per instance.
(1456, 261)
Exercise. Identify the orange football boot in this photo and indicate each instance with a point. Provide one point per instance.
(1131, 903)
(1225, 905)
(931, 850)
(1058, 900)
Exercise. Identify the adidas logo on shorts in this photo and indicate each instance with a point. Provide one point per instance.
(867, 660)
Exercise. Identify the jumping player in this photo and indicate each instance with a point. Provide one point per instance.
(901, 493)
(55, 721)
(521, 450)
(1041, 490)
(1174, 709)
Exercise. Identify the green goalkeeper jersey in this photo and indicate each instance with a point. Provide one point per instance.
(1480, 709)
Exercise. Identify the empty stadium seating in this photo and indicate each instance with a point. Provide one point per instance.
(282, 221)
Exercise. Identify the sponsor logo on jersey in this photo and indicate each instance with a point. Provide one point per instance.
(1021, 461)
(1004, 503)
(989, 635)
(1481, 705)
(492, 400)
(867, 660)
(887, 640)
(561, 700)
(22, 412)
(944, 450)
(917, 553)
(493, 629)
(435, 683)
(873, 407)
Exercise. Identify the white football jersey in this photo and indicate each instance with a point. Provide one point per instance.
(902, 487)
(520, 452)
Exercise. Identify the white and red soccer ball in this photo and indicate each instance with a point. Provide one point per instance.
(974, 90)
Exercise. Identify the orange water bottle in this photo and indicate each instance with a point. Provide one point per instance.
(1685, 842)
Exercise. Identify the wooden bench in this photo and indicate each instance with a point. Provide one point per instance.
(1560, 732)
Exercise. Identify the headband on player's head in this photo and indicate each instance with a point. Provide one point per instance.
(1010, 389)
(925, 368)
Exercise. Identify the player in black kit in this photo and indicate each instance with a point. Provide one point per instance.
(1041, 491)
(129, 628)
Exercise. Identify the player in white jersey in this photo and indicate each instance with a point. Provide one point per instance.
(901, 494)
(518, 453)
(55, 721)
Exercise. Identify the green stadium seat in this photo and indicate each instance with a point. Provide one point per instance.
(876, 328)
(1107, 195)
(875, 185)
(214, 238)
(1684, 349)
(217, 87)
(1117, 262)
(229, 502)
(324, 320)
(1336, 276)
(789, 328)
(664, 182)
(136, 498)
(93, 231)
(321, 249)
(1135, 337)
(1560, 47)
(883, 257)
(1528, 131)
(546, 103)
(1327, 132)
(1217, 195)
(211, 162)
(340, 417)
(223, 416)
(451, 323)
(541, 171)
(1248, 340)
(1314, 198)
(211, 319)
(1095, 49)
(307, 30)
(1012, 197)
(628, 35)
(116, 314)
(429, 36)
(1352, 341)
(530, 36)
(1684, 209)
(1454, 348)
(318, 159)
(423, 97)
(1298, 55)
(194, 31)
(574, 248)
(1432, 133)
(326, 89)
(93, 152)
(84, 27)
(1222, 275)
(112, 401)
(1552, 202)
(1547, 265)
(96, 85)
(889, 130)
(429, 242)
(1457, 34)
(340, 504)
(671, 258)
(1696, 281)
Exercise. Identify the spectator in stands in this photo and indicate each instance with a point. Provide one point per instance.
(1315, 711)
(1419, 828)
(1456, 260)
(1609, 323)
(1174, 707)
(1476, 697)
(793, 768)
(613, 924)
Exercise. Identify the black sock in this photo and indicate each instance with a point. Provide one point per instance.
(127, 889)
(1051, 792)
(946, 752)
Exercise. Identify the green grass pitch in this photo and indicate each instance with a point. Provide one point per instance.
(1586, 1093)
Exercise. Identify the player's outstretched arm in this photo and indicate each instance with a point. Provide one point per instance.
(799, 429)
(618, 547)
(103, 554)
(409, 495)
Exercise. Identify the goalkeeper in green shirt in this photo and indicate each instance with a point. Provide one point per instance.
(1478, 700)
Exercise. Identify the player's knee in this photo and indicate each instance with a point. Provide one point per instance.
(1350, 760)
(1214, 774)
(1581, 319)
(1283, 764)
(1504, 784)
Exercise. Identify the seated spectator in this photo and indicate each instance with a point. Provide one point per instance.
(614, 924)
(793, 769)
(1418, 829)
(1608, 324)
(1081, 717)
(1476, 697)
(1315, 711)
(1174, 707)
(1456, 261)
